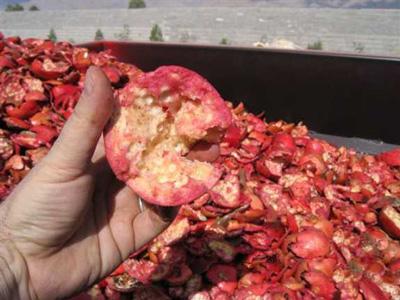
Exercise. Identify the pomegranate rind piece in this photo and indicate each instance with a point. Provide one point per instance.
(179, 229)
(223, 250)
(204, 295)
(370, 290)
(389, 218)
(226, 192)
(179, 275)
(320, 284)
(221, 272)
(157, 118)
(141, 270)
(311, 243)
(392, 157)
(123, 283)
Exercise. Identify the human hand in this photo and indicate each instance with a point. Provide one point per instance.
(70, 222)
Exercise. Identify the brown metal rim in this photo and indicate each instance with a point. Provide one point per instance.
(317, 53)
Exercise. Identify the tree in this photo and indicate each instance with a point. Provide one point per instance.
(99, 36)
(124, 35)
(137, 4)
(52, 35)
(16, 7)
(156, 34)
(33, 8)
(358, 47)
(315, 46)
(224, 41)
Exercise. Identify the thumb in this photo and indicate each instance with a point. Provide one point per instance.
(75, 146)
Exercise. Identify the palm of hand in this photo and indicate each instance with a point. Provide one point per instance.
(90, 241)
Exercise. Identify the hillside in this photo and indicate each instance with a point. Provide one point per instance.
(367, 30)
(106, 4)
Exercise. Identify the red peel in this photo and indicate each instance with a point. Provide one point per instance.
(389, 218)
(157, 119)
(392, 158)
(311, 243)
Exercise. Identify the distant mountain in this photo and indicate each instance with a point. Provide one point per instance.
(108, 4)
(388, 4)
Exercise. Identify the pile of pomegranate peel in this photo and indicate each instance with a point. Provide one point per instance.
(292, 217)
(158, 118)
(283, 216)
(40, 84)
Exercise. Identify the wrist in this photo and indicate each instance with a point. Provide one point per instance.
(14, 275)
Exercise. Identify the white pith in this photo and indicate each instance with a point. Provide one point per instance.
(392, 215)
(227, 189)
(157, 150)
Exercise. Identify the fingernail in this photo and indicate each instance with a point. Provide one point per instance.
(89, 82)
